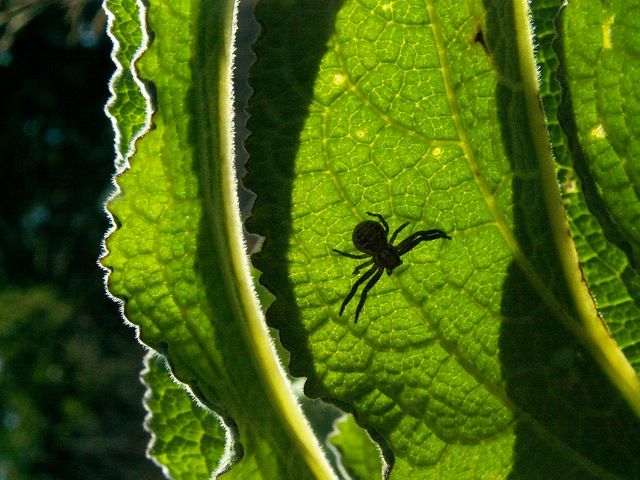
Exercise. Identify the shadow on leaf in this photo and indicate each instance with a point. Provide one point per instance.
(570, 421)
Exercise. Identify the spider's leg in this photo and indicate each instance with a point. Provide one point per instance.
(382, 221)
(422, 236)
(362, 265)
(395, 234)
(351, 255)
(365, 290)
(359, 282)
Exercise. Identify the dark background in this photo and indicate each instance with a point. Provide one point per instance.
(70, 397)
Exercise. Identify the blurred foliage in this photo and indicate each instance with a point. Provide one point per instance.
(70, 402)
(16, 14)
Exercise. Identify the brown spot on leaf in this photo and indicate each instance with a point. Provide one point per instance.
(479, 38)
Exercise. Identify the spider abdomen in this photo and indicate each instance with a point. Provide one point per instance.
(369, 237)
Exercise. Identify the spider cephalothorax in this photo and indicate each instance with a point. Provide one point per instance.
(370, 237)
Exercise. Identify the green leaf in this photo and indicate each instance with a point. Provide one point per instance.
(587, 116)
(600, 43)
(600, 49)
(479, 357)
(358, 454)
(188, 440)
(607, 269)
(177, 258)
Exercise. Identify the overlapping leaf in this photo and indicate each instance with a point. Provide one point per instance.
(188, 440)
(600, 48)
(608, 269)
(357, 453)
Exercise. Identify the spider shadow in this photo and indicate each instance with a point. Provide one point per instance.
(569, 420)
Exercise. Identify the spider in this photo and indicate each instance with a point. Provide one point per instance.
(370, 237)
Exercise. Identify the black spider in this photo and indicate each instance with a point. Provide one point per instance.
(370, 237)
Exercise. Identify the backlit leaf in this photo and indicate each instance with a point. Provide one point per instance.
(479, 356)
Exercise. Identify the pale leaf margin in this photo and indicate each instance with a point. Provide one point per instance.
(122, 161)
